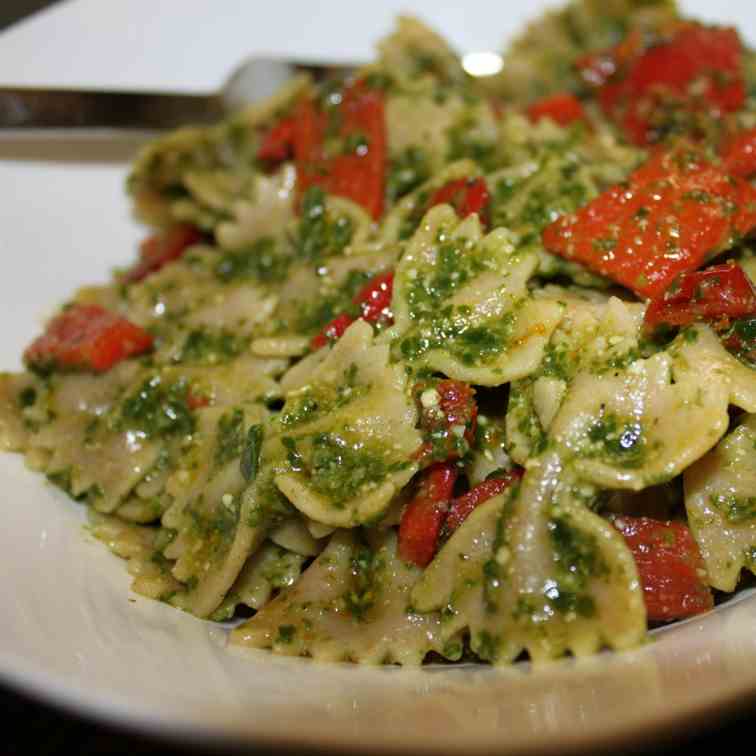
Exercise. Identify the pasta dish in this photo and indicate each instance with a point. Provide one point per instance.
(424, 366)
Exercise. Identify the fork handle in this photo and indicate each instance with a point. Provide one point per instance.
(27, 109)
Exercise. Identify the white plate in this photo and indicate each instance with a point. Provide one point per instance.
(70, 631)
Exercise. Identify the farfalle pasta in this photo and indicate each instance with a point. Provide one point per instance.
(420, 365)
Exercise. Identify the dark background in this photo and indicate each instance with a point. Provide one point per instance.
(13, 10)
(33, 727)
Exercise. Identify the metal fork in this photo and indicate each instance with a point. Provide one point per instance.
(31, 111)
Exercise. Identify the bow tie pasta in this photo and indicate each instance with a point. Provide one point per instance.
(418, 364)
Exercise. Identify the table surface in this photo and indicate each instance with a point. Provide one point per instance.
(31, 726)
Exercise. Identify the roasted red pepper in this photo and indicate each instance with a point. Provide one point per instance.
(278, 144)
(421, 522)
(448, 419)
(87, 337)
(373, 302)
(160, 249)
(461, 507)
(739, 154)
(669, 565)
(694, 69)
(563, 109)
(740, 338)
(374, 299)
(356, 123)
(333, 331)
(717, 293)
(597, 68)
(671, 213)
(196, 401)
(466, 196)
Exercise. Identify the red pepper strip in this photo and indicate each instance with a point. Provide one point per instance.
(421, 522)
(196, 401)
(357, 174)
(739, 154)
(671, 213)
(740, 338)
(456, 407)
(457, 402)
(374, 302)
(669, 565)
(461, 507)
(597, 68)
(160, 249)
(466, 196)
(333, 331)
(374, 299)
(696, 69)
(723, 291)
(278, 143)
(563, 109)
(87, 337)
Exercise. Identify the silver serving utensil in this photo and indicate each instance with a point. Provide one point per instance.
(30, 112)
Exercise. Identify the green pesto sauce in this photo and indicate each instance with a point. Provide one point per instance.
(216, 526)
(249, 464)
(210, 347)
(464, 142)
(229, 437)
(283, 569)
(616, 362)
(411, 222)
(485, 645)
(338, 469)
(743, 335)
(162, 562)
(453, 650)
(286, 634)
(322, 399)
(406, 172)
(319, 235)
(745, 328)
(424, 62)
(313, 315)
(164, 537)
(616, 441)
(27, 397)
(489, 434)
(578, 560)
(157, 409)
(271, 506)
(557, 362)
(735, 509)
(365, 585)
(562, 362)
(530, 203)
(492, 578)
(452, 331)
(445, 444)
(260, 262)
(526, 418)
(457, 264)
